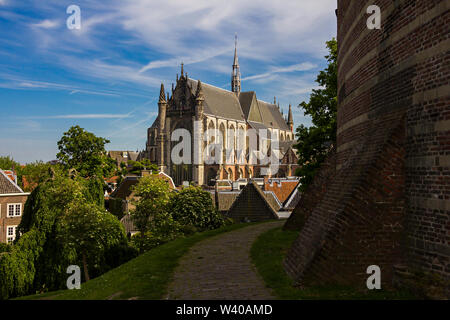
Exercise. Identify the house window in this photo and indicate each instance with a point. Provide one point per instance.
(11, 234)
(14, 210)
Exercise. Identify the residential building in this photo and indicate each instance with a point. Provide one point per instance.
(12, 202)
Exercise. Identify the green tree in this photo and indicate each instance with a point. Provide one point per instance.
(90, 230)
(35, 173)
(8, 163)
(315, 142)
(153, 196)
(85, 152)
(193, 206)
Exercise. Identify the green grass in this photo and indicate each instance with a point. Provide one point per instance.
(267, 254)
(145, 277)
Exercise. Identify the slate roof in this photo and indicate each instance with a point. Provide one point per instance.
(242, 206)
(273, 200)
(118, 155)
(226, 104)
(219, 102)
(7, 185)
(123, 191)
(293, 199)
(226, 199)
(271, 116)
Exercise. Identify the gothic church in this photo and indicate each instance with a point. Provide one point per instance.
(220, 111)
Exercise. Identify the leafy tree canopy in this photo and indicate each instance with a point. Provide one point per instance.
(85, 152)
(153, 196)
(193, 206)
(314, 142)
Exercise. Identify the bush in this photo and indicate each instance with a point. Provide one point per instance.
(193, 206)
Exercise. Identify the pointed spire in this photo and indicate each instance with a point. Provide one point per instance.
(168, 96)
(182, 68)
(236, 60)
(173, 88)
(236, 74)
(162, 95)
(275, 100)
(199, 92)
(290, 121)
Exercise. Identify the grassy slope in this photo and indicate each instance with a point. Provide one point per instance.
(267, 254)
(145, 277)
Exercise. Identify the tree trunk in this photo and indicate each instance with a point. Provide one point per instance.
(86, 273)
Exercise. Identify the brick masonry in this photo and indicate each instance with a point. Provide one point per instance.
(388, 203)
(6, 221)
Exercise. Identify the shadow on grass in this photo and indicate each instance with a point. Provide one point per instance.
(268, 252)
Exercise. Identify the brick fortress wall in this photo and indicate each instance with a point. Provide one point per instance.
(389, 201)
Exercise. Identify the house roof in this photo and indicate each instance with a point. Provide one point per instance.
(273, 200)
(282, 187)
(7, 185)
(291, 202)
(241, 203)
(123, 191)
(226, 199)
(119, 155)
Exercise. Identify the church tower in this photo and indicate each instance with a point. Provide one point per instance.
(236, 74)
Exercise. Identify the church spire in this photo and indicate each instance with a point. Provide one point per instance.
(236, 74)
(290, 121)
(162, 95)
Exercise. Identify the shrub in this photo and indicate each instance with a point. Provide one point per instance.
(193, 206)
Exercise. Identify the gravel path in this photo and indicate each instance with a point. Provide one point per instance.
(220, 268)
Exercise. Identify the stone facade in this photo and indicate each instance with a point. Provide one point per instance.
(208, 113)
(388, 203)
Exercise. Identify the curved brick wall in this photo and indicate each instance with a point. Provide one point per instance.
(389, 203)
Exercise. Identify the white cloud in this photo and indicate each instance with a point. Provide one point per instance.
(46, 24)
(265, 28)
(296, 67)
(85, 116)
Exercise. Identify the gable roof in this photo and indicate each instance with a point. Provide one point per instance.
(293, 199)
(226, 199)
(271, 116)
(7, 185)
(252, 204)
(219, 102)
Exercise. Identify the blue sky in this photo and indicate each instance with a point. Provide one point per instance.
(105, 77)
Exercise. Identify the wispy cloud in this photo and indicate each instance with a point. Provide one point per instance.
(46, 24)
(85, 116)
(274, 70)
